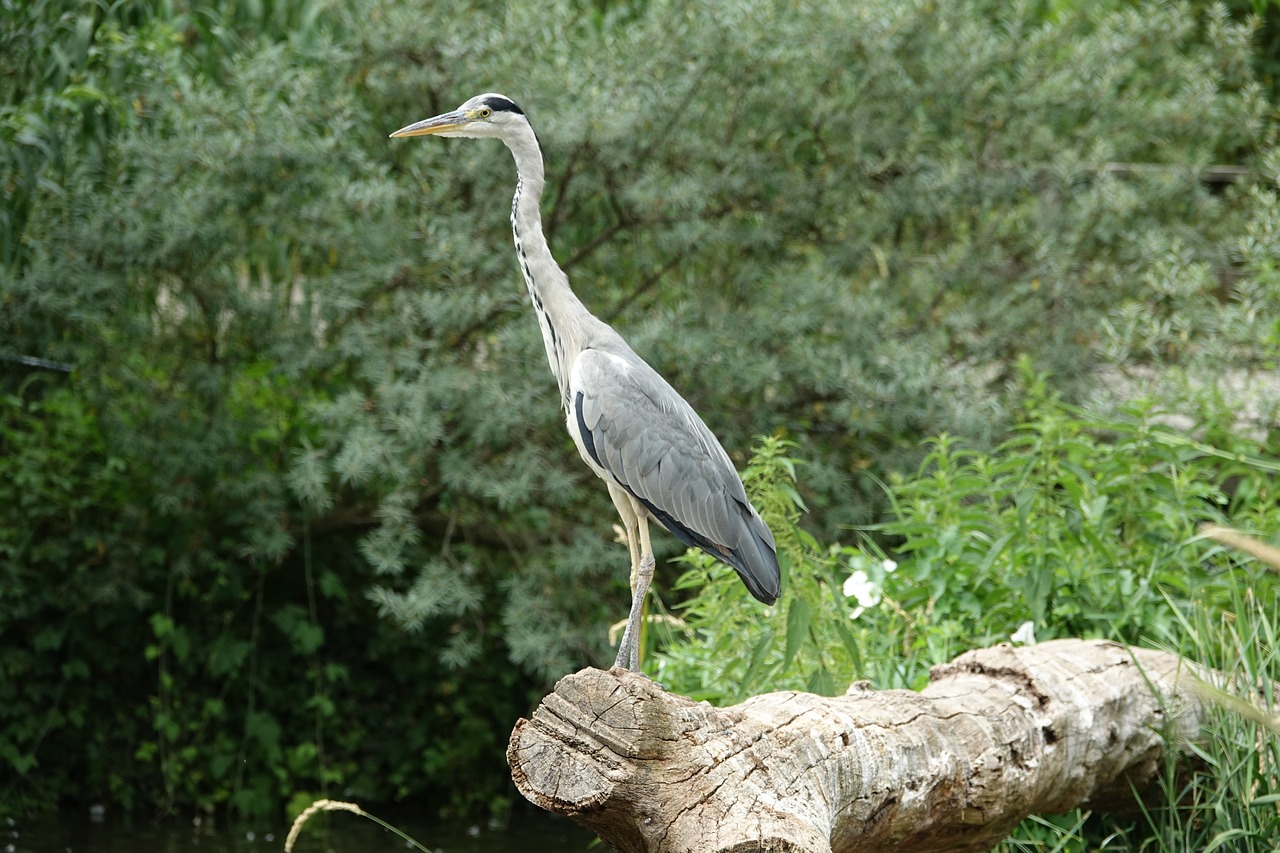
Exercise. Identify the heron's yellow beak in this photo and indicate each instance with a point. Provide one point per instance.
(440, 124)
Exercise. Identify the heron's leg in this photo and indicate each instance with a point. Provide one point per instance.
(630, 523)
(644, 577)
(628, 649)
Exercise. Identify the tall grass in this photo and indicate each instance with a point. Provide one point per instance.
(1228, 795)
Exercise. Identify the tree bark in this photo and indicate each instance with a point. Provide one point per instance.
(998, 734)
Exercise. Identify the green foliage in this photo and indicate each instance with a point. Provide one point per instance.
(73, 76)
(806, 641)
(226, 681)
(54, 478)
(1085, 521)
(306, 389)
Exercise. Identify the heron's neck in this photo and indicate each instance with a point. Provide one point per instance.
(564, 321)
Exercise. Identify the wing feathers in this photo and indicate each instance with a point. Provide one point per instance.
(644, 436)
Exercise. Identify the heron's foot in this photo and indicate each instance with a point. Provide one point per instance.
(629, 649)
(623, 660)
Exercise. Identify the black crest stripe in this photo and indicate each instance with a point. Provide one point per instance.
(502, 105)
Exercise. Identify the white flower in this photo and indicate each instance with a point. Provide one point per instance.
(1026, 634)
(889, 566)
(859, 586)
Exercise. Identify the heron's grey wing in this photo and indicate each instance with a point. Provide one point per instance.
(649, 440)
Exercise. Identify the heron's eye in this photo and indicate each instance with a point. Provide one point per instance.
(484, 112)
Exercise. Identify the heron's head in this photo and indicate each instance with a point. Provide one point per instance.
(484, 115)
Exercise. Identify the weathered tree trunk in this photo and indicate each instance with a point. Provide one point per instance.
(998, 734)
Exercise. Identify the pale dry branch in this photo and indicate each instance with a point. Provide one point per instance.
(998, 734)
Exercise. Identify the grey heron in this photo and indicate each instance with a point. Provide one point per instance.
(657, 457)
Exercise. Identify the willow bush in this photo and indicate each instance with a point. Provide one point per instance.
(306, 388)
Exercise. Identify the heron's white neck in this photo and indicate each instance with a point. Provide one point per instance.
(565, 322)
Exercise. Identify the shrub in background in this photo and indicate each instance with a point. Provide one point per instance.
(303, 365)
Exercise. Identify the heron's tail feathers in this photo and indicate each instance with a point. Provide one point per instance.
(756, 561)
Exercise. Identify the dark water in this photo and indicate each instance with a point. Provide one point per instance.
(525, 831)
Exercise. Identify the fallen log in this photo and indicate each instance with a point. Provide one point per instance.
(998, 734)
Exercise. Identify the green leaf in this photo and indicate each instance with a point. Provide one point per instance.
(798, 618)
(850, 643)
(821, 683)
